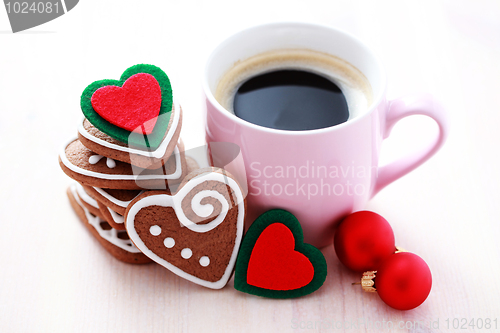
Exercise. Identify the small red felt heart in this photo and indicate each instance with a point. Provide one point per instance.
(134, 106)
(275, 265)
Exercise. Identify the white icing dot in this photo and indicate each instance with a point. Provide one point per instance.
(110, 163)
(94, 159)
(186, 253)
(204, 261)
(169, 242)
(155, 230)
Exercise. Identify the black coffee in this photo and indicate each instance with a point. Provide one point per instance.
(291, 100)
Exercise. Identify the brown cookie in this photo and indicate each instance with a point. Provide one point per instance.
(113, 202)
(195, 233)
(90, 169)
(106, 146)
(88, 202)
(115, 199)
(114, 219)
(115, 242)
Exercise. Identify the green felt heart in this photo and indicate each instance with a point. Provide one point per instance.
(273, 260)
(152, 140)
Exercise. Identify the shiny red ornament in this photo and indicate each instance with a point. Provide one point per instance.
(363, 240)
(403, 281)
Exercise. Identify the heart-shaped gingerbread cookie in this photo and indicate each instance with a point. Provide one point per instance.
(196, 232)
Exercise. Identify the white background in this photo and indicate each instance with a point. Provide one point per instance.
(55, 277)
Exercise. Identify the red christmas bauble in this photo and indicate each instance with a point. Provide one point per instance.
(403, 281)
(363, 240)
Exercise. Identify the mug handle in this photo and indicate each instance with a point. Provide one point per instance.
(398, 109)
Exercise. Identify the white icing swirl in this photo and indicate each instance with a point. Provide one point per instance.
(175, 201)
(205, 211)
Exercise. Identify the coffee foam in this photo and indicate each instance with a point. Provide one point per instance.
(354, 85)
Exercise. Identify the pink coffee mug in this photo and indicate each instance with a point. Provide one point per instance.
(318, 175)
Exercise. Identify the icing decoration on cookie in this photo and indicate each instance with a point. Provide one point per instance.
(111, 235)
(113, 176)
(85, 197)
(96, 158)
(275, 262)
(117, 218)
(135, 110)
(196, 232)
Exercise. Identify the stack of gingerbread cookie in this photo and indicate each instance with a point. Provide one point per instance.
(138, 193)
(128, 142)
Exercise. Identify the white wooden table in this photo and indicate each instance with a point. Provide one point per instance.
(55, 277)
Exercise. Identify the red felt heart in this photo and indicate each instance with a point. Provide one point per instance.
(134, 106)
(274, 264)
